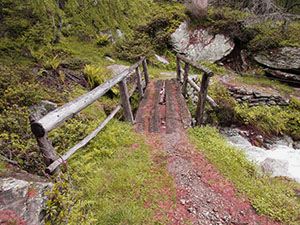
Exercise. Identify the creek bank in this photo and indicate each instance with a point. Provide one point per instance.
(282, 158)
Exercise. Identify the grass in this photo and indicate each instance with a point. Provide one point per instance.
(265, 82)
(117, 179)
(269, 196)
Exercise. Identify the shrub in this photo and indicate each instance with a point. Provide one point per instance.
(17, 141)
(103, 40)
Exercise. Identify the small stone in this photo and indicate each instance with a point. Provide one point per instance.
(215, 210)
(208, 201)
(242, 213)
(182, 202)
(190, 210)
(199, 174)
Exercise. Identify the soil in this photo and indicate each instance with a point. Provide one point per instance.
(203, 195)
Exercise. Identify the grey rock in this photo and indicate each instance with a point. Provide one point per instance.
(161, 59)
(198, 45)
(116, 69)
(286, 58)
(26, 198)
(275, 167)
(119, 33)
(110, 59)
(284, 75)
(47, 106)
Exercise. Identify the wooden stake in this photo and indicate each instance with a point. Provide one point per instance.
(125, 101)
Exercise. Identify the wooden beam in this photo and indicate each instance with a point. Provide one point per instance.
(145, 70)
(202, 68)
(61, 114)
(212, 103)
(52, 168)
(139, 82)
(202, 98)
(125, 101)
(82, 143)
(178, 76)
(185, 78)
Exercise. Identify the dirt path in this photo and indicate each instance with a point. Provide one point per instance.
(203, 195)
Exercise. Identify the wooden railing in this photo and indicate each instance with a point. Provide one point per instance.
(202, 90)
(41, 126)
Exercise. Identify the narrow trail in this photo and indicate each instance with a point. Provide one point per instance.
(203, 196)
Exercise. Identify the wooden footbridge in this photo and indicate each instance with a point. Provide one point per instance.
(162, 108)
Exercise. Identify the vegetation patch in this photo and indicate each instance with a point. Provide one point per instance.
(116, 179)
(269, 196)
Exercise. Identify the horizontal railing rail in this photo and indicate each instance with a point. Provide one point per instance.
(41, 126)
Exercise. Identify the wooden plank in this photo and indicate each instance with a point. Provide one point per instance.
(44, 143)
(173, 120)
(212, 103)
(185, 114)
(185, 78)
(125, 101)
(139, 82)
(155, 120)
(61, 114)
(52, 168)
(202, 98)
(202, 68)
(145, 70)
(178, 67)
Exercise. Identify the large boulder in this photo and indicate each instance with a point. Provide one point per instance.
(23, 200)
(286, 58)
(198, 45)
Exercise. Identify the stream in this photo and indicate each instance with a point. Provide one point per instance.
(281, 160)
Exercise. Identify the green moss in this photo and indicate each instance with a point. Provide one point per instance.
(267, 195)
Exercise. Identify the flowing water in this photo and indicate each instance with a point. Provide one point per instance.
(281, 160)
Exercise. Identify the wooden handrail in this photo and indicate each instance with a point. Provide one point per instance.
(200, 67)
(204, 83)
(41, 126)
(83, 142)
(61, 114)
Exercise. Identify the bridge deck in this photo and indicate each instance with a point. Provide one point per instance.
(163, 108)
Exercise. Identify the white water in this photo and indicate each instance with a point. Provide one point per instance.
(281, 160)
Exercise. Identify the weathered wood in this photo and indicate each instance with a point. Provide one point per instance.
(44, 142)
(202, 98)
(155, 119)
(139, 82)
(82, 143)
(52, 168)
(125, 101)
(185, 78)
(178, 76)
(202, 68)
(143, 110)
(145, 70)
(61, 114)
(212, 103)
(185, 114)
(173, 120)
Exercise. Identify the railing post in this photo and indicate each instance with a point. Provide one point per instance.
(125, 101)
(202, 98)
(178, 68)
(44, 143)
(185, 78)
(139, 82)
(145, 69)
